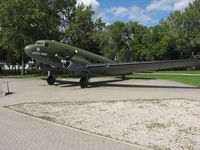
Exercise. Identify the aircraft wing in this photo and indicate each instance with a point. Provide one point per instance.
(126, 68)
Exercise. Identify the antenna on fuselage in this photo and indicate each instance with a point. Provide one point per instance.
(64, 41)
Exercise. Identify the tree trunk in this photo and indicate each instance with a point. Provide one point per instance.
(23, 63)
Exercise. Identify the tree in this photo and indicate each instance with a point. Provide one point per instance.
(140, 42)
(25, 21)
(182, 32)
(126, 41)
(83, 31)
(191, 23)
(116, 40)
(156, 44)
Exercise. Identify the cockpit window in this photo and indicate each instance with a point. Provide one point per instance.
(42, 43)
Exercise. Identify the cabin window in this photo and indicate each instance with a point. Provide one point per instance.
(46, 44)
(42, 43)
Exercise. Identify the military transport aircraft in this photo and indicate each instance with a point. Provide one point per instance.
(55, 56)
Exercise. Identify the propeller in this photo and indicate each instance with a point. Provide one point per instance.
(66, 60)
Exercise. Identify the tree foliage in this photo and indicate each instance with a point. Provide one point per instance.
(174, 38)
(24, 21)
(83, 31)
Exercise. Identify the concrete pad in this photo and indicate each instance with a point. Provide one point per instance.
(37, 90)
(4, 88)
(19, 131)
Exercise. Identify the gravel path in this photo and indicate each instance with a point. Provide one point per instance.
(158, 124)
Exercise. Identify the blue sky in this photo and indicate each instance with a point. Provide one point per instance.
(146, 12)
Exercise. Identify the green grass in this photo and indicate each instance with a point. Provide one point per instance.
(35, 74)
(190, 80)
(180, 72)
(46, 118)
(29, 74)
(155, 125)
(170, 75)
(9, 73)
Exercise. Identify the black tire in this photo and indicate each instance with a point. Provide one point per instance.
(51, 80)
(123, 77)
(84, 82)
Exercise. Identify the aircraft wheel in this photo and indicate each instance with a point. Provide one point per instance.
(51, 80)
(84, 82)
(123, 77)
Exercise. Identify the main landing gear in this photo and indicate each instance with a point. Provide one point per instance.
(84, 82)
(51, 80)
(123, 77)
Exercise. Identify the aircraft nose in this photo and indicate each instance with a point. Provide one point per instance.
(28, 49)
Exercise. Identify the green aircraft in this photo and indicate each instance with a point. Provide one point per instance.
(54, 56)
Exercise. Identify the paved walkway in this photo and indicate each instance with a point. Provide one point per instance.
(22, 132)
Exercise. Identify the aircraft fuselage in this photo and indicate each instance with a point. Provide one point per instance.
(53, 53)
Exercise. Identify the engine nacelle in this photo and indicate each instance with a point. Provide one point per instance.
(75, 68)
(32, 64)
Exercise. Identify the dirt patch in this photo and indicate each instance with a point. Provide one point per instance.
(158, 124)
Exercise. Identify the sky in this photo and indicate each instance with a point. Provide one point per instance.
(146, 12)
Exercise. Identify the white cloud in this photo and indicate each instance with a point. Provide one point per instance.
(138, 14)
(95, 4)
(168, 5)
(182, 4)
(133, 13)
(118, 11)
(101, 14)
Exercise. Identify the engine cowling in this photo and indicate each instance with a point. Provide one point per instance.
(32, 64)
(75, 68)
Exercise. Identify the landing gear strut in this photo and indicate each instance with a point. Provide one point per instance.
(123, 77)
(84, 82)
(51, 79)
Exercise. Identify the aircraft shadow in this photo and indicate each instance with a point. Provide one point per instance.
(143, 86)
(66, 83)
(62, 83)
(111, 83)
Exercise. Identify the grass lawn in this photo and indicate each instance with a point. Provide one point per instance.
(29, 74)
(32, 74)
(178, 76)
(186, 79)
(180, 71)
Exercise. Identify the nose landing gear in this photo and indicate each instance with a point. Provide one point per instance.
(84, 82)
